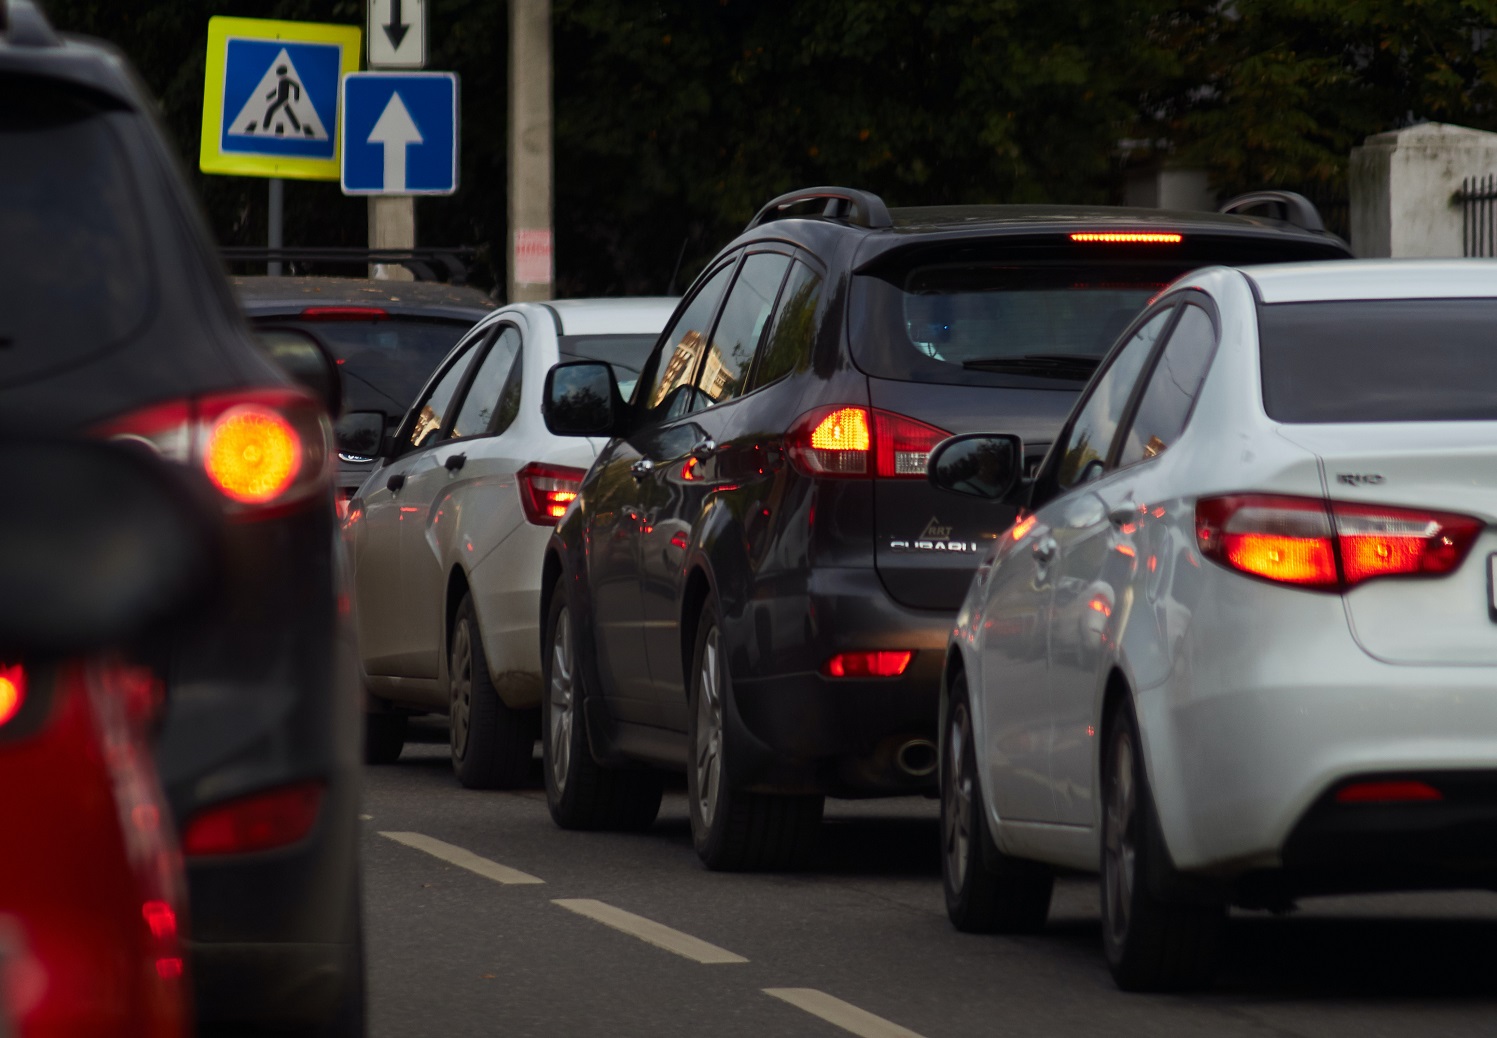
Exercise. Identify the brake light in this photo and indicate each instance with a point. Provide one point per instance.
(1329, 545)
(1387, 792)
(260, 822)
(851, 441)
(344, 313)
(1132, 237)
(878, 664)
(262, 449)
(547, 490)
(12, 691)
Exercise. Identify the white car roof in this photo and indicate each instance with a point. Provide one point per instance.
(639, 315)
(1374, 279)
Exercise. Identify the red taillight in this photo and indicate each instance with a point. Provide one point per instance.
(852, 441)
(1129, 237)
(547, 490)
(1388, 792)
(12, 691)
(161, 919)
(1329, 545)
(260, 822)
(344, 313)
(262, 449)
(878, 664)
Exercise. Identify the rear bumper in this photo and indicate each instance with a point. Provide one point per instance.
(793, 730)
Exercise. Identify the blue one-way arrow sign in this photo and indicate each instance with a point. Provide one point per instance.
(400, 133)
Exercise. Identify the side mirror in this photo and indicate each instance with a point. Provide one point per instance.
(361, 435)
(102, 543)
(582, 399)
(309, 363)
(983, 465)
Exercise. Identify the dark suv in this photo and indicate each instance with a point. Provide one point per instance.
(116, 321)
(756, 582)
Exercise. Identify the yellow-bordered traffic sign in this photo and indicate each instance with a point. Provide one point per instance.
(271, 97)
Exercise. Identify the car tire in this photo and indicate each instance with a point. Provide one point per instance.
(581, 793)
(492, 743)
(1152, 944)
(734, 830)
(987, 891)
(384, 737)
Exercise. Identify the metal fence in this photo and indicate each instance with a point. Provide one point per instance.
(1478, 215)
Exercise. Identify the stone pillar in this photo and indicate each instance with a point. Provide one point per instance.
(530, 253)
(1403, 186)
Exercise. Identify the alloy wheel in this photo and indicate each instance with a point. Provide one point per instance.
(462, 688)
(956, 804)
(1118, 839)
(709, 743)
(562, 700)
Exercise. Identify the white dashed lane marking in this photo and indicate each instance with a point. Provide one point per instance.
(464, 859)
(841, 1014)
(649, 931)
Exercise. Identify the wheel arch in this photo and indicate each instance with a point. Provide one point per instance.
(698, 586)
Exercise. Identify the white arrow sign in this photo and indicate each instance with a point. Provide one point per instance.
(395, 129)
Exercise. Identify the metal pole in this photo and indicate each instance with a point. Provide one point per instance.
(277, 216)
(530, 255)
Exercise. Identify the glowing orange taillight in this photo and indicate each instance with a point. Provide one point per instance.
(546, 491)
(12, 691)
(252, 454)
(845, 429)
(1132, 237)
(846, 440)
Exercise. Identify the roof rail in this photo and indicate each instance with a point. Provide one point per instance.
(22, 25)
(860, 208)
(1288, 206)
(426, 263)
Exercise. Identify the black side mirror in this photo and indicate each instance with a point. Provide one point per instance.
(102, 543)
(302, 355)
(582, 399)
(361, 435)
(983, 465)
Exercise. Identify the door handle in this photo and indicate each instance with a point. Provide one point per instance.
(395, 482)
(455, 462)
(641, 468)
(705, 449)
(1043, 550)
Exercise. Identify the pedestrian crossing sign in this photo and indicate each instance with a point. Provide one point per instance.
(271, 97)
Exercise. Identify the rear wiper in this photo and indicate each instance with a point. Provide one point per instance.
(1077, 366)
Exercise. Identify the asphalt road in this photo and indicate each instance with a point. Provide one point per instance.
(518, 947)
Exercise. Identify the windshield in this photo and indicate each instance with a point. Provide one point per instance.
(626, 354)
(384, 362)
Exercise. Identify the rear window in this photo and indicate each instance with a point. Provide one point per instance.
(1398, 360)
(75, 269)
(384, 362)
(626, 354)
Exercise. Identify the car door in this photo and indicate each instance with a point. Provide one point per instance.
(448, 483)
(1120, 531)
(1033, 594)
(615, 514)
(382, 514)
(687, 457)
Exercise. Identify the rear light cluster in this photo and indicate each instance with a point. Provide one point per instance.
(261, 822)
(12, 691)
(877, 664)
(1329, 545)
(262, 449)
(547, 490)
(849, 441)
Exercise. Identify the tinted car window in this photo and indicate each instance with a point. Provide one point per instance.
(741, 325)
(482, 400)
(1091, 435)
(433, 412)
(626, 354)
(788, 347)
(674, 366)
(1397, 360)
(1173, 385)
(386, 362)
(75, 267)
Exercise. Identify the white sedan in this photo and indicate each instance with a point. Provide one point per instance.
(446, 534)
(1242, 648)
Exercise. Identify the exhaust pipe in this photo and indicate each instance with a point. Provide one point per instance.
(916, 758)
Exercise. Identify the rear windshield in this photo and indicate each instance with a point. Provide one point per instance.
(1398, 360)
(75, 270)
(385, 362)
(626, 354)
